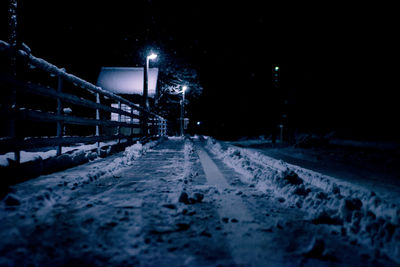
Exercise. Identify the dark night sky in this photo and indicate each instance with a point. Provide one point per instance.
(337, 59)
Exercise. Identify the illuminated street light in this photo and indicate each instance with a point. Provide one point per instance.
(276, 68)
(184, 88)
(152, 56)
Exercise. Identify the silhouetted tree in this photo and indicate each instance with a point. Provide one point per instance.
(175, 73)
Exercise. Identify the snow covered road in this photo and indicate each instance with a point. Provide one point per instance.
(181, 202)
(245, 247)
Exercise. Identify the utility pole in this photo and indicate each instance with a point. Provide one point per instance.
(12, 13)
(183, 111)
(10, 102)
(146, 85)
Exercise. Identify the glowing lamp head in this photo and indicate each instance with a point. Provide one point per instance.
(276, 68)
(152, 56)
(184, 88)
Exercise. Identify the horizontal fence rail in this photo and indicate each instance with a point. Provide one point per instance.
(145, 122)
(51, 93)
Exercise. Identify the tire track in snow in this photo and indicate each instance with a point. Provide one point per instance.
(245, 247)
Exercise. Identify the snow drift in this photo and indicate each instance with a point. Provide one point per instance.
(359, 213)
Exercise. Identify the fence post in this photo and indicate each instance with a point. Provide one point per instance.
(119, 120)
(159, 126)
(131, 122)
(155, 126)
(151, 127)
(59, 112)
(97, 125)
(143, 123)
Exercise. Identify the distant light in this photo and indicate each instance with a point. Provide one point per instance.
(152, 56)
(184, 88)
(198, 123)
(67, 110)
(276, 68)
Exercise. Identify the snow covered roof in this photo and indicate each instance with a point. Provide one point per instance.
(127, 80)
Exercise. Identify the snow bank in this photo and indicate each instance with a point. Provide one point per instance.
(27, 156)
(359, 212)
(55, 188)
(130, 154)
(49, 188)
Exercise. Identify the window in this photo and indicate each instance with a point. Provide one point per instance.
(114, 116)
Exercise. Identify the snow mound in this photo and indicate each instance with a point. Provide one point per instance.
(51, 188)
(27, 156)
(130, 154)
(362, 215)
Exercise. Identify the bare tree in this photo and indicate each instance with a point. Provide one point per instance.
(174, 74)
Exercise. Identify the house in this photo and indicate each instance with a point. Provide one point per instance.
(127, 82)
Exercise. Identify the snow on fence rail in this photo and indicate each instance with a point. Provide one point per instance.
(11, 112)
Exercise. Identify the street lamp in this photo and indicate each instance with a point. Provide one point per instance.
(184, 88)
(152, 56)
(145, 103)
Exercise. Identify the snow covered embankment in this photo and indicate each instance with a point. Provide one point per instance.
(359, 213)
(52, 187)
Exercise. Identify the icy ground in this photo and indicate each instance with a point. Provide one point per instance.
(196, 202)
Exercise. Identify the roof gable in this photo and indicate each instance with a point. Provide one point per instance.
(127, 80)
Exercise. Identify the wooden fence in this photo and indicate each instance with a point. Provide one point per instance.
(147, 123)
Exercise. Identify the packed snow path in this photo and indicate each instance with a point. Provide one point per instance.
(168, 204)
(245, 248)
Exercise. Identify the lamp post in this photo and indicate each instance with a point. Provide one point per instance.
(146, 80)
(184, 88)
(145, 103)
(275, 121)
